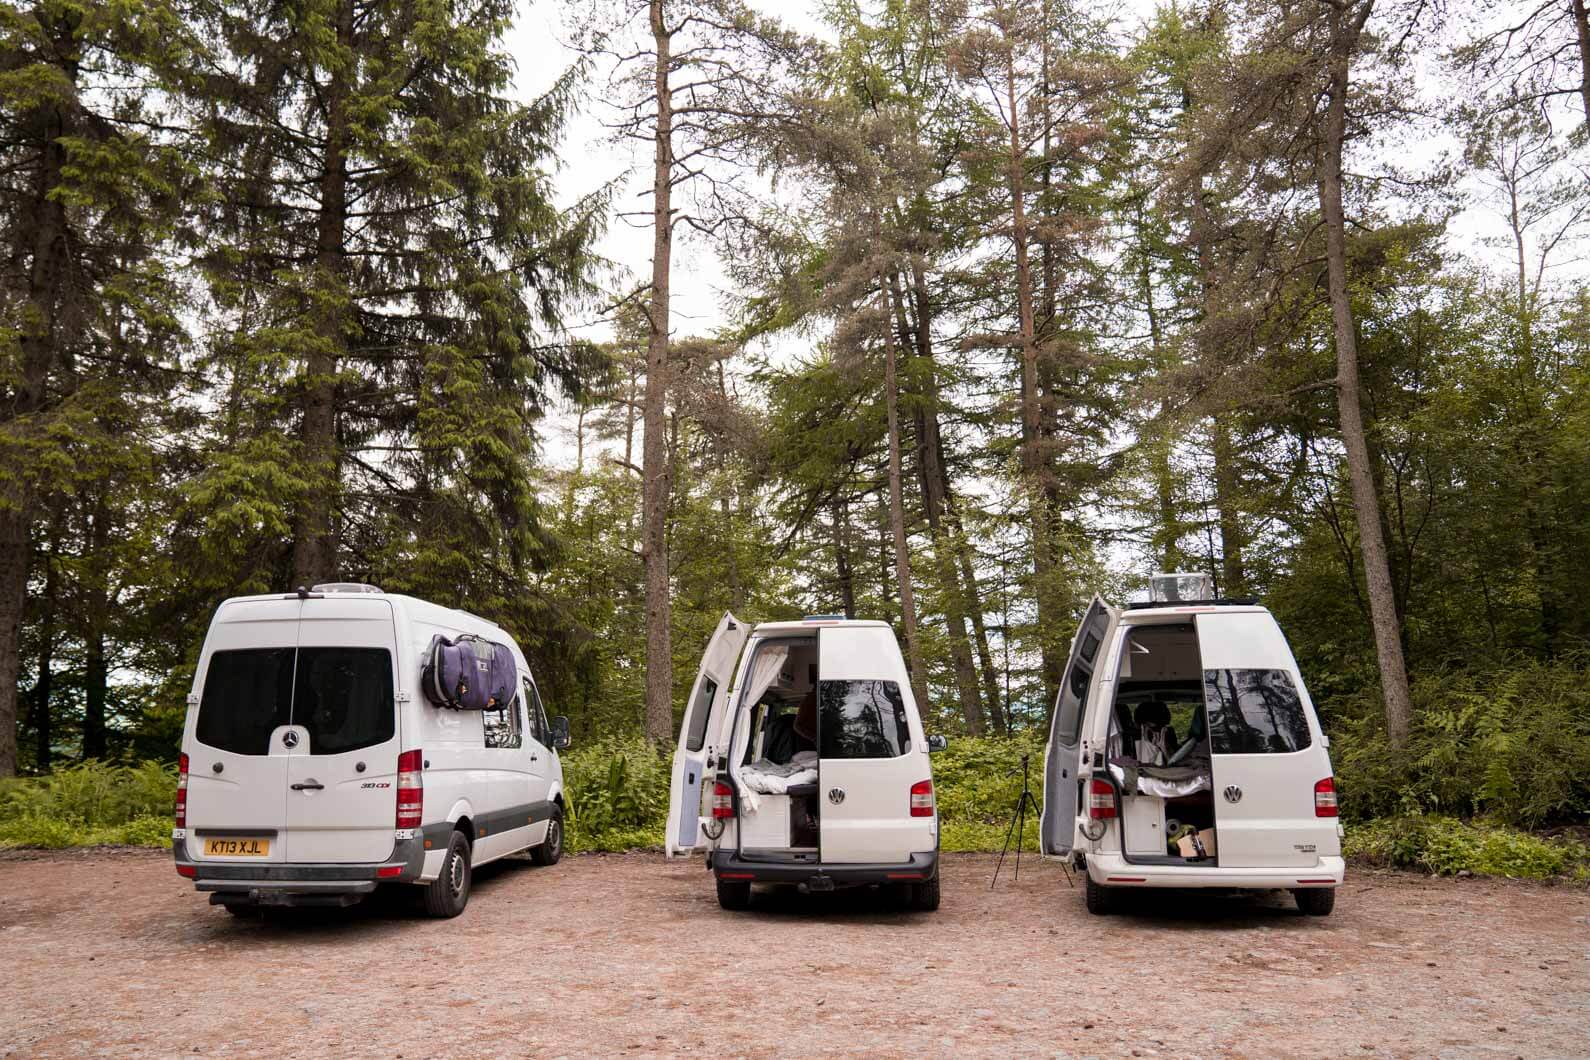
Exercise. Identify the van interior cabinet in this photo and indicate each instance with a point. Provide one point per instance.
(767, 828)
(1144, 820)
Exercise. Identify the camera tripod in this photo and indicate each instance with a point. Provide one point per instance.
(1018, 823)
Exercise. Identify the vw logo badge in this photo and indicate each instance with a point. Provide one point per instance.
(836, 795)
(290, 738)
(1233, 794)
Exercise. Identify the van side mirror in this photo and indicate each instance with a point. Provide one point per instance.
(560, 733)
(937, 743)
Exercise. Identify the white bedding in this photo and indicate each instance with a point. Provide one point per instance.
(1167, 787)
(771, 778)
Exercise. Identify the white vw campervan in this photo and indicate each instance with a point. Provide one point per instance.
(1184, 751)
(807, 765)
(313, 767)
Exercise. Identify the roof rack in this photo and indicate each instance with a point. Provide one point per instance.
(1224, 601)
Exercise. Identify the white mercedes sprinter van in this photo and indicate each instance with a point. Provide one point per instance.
(1184, 751)
(806, 764)
(314, 769)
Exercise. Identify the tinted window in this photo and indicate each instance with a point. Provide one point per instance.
(247, 695)
(1072, 696)
(343, 696)
(861, 719)
(1254, 712)
(1090, 645)
(698, 714)
(532, 699)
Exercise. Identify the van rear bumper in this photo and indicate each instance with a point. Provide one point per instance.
(298, 883)
(1113, 870)
(822, 876)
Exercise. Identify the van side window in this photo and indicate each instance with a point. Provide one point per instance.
(861, 719)
(699, 711)
(503, 726)
(538, 716)
(1254, 712)
(247, 695)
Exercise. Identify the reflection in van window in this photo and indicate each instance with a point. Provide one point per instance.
(1254, 712)
(247, 695)
(343, 696)
(861, 719)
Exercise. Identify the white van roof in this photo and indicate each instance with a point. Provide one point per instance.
(1140, 611)
(413, 606)
(814, 623)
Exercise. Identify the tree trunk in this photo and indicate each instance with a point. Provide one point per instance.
(656, 472)
(44, 241)
(1032, 455)
(95, 686)
(1581, 24)
(39, 710)
(847, 578)
(1165, 538)
(314, 531)
(1366, 505)
(902, 555)
(985, 657)
(1233, 539)
(933, 478)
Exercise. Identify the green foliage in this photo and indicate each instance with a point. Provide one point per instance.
(617, 791)
(977, 782)
(90, 804)
(1511, 743)
(1446, 846)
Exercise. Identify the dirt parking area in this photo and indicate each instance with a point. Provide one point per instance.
(111, 953)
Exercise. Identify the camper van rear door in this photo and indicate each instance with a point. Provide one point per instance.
(1264, 745)
(1057, 824)
(707, 698)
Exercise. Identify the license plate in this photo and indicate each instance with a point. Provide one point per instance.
(243, 847)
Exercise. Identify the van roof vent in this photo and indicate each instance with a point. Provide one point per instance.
(345, 587)
(824, 618)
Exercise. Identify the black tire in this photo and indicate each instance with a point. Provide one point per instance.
(734, 894)
(1315, 901)
(1100, 899)
(243, 910)
(925, 895)
(447, 895)
(550, 849)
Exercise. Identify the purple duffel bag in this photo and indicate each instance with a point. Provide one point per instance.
(469, 674)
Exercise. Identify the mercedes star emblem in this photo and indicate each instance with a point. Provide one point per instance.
(289, 738)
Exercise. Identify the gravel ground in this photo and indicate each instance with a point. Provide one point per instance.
(110, 952)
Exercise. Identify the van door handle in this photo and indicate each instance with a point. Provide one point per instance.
(313, 785)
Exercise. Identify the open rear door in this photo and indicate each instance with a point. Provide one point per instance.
(1057, 824)
(708, 696)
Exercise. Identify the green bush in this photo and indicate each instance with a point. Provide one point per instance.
(977, 781)
(617, 792)
(1446, 846)
(89, 804)
(1510, 744)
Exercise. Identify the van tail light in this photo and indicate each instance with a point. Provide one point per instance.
(410, 788)
(922, 799)
(722, 800)
(182, 791)
(1325, 798)
(1101, 800)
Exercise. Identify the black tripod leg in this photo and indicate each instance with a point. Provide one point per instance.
(1008, 832)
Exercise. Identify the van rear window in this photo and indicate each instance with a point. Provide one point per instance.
(1254, 712)
(247, 695)
(342, 696)
(861, 719)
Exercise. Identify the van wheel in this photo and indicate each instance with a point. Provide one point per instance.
(551, 848)
(1100, 899)
(1315, 901)
(447, 895)
(734, 894)
(925, 895)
